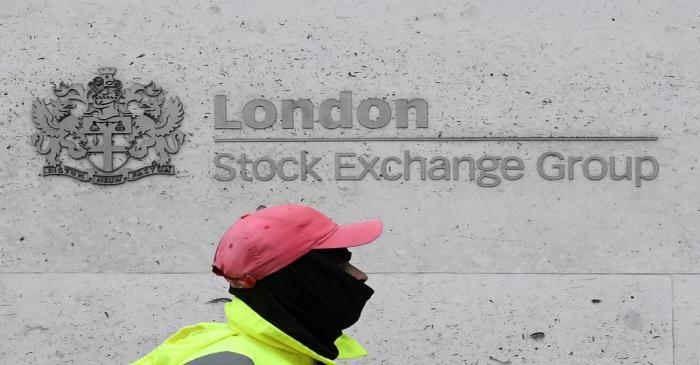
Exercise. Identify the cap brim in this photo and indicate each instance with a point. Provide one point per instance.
(351, 235)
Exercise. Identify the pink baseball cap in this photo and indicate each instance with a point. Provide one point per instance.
(263, 242)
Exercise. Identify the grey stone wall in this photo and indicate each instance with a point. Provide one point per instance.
(605, 270)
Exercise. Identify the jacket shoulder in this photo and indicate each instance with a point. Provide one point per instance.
(222, 358)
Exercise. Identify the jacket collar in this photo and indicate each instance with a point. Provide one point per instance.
(243, 318)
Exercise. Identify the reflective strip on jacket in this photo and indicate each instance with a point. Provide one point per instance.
(247, 334)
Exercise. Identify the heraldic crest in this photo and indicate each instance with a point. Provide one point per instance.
(104, 126)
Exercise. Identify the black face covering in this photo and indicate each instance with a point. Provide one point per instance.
(312, 299)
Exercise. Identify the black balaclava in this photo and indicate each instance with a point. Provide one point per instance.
(312, 299)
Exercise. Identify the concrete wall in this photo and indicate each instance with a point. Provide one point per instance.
(607, 271)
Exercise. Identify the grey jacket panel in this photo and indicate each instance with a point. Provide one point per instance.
(222, 358)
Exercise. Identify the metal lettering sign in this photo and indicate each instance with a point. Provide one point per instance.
(488, 170)
(104, 126)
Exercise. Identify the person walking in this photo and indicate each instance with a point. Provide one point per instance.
(295, 291)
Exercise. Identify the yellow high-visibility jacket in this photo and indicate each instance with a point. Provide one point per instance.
(246, 335)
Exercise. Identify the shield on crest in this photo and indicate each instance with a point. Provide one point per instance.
(108, 149)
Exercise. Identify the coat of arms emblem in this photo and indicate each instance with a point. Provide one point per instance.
(104, 126)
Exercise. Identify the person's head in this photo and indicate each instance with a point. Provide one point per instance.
(291, 264)
(263, 242)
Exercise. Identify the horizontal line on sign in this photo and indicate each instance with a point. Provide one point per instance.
(445, 139)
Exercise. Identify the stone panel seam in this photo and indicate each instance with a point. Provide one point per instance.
(673, 319)
(368, 272)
